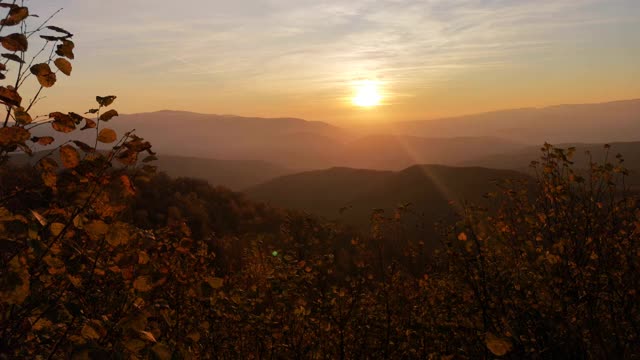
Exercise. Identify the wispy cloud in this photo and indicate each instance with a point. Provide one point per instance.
(283, 46)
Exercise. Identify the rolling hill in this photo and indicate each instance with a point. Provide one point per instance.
(350, 195)
(396, 152)
(232, 174)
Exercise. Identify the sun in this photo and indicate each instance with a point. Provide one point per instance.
(367, 94)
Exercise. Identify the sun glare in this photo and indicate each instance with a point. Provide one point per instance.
(367, 94)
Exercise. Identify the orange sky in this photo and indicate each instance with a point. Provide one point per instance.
(302, 58)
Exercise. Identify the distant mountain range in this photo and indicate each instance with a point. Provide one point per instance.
(585, 123)
(291, 143)
(240, 152)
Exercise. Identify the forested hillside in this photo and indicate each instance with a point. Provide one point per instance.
(429, 192)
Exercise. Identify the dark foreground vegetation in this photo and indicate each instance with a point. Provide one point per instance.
(115, 262)
(168, 268)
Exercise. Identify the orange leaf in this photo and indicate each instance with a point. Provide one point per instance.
(9, 96)
(63, 65)
(70, 157)
(15, 42)
(107, 136)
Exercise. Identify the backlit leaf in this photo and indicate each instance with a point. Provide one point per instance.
(143, 283)
(107, 136)
(143, 258)
(22, 117)
(15, 16)
(63, 65)
(9, 96)
(215, 282)
(108, 115)
(96, 229)
(69, 156)
(49, 178)
(15, 42)
(47, 163)
(129, 189)
(497, 346)
(118, 234)
(39, 217)
(147, 336)
(66, 49)
(43, 140)
(89, 124)
(56, 228)
(62, 122)
(46, 77)
(13, 135)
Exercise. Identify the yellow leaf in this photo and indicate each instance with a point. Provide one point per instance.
(9, 96)
(143, 258)
(56, 228)
(62, 122)
(118, 234)
(129, 189)
(215, 282)
(143, 283)
(22, 117)
(49, 178)
(147, 336)
(15, 16)
(69, 156)
(15, 42)
(41, 324)
(45, 140)
(75, 280)
(13, 135)
(497, 346)
(39, 217)
(107, 136)
(96, 229)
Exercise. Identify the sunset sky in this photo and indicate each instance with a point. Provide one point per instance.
(302, 58)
